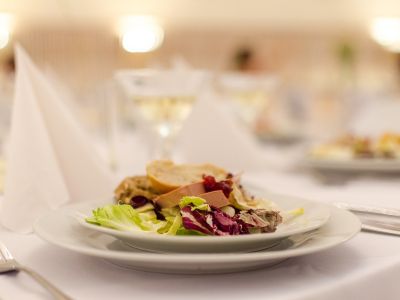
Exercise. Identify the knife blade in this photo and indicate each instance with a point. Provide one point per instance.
(392, 228)
(365, 209)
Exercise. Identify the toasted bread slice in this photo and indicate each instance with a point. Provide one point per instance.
(166, 176)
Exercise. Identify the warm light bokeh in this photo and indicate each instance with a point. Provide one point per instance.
(386, 31)
(141, 34)
(5, 29)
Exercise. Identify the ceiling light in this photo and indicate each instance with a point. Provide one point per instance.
(5, 28)
(141, 34)
(386, 32)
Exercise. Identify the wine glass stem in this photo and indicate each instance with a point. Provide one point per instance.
(167, 138)
(167, 147)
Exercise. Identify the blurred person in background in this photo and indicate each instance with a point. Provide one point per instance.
(245, 60)
(8, 74)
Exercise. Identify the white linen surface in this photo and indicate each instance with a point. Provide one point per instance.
(50, 161)
(366, 267)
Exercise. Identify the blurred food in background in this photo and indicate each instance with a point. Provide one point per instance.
(386, 146)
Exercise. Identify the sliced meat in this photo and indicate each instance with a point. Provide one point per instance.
(215, 198)
(172, 198)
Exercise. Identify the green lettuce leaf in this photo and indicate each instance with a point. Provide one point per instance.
(170, 212)
(183, 231)
(175, 225)
(291, 214)
(237, 199)
(126, 218)
(196, 203)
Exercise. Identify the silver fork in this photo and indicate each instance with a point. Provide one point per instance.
(295, 241)
(9, 264)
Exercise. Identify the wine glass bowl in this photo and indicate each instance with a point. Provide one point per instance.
(248, 94)
(163, 99)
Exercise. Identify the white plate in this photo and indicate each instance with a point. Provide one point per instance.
(315, 215)
(62, 230)
(354, 165)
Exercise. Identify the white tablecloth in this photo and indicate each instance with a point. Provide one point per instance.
(366, 267)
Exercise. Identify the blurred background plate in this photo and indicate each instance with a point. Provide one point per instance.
(354, 165)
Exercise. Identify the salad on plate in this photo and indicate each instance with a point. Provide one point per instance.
(348, 147)
(188, 199)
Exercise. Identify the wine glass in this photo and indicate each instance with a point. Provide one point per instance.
(248, 94)
(163, 99)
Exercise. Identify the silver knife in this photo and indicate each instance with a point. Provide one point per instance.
(392, 228)
(375, 225)
(392, 212)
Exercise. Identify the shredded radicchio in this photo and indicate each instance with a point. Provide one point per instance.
(210, 185)
(260, 220)
(216, 222)
(139, 201)
(196, 220)
(157, 211)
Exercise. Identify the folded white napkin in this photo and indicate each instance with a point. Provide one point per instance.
(212, 134)
(50, 159)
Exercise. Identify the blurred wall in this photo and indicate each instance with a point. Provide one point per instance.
(85, 57)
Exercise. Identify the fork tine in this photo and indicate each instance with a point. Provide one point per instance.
(5, 253)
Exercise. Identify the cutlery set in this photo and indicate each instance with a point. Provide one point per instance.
(375, 219)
